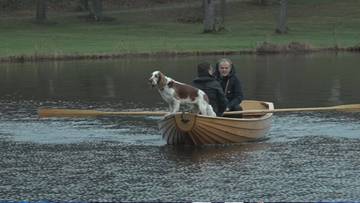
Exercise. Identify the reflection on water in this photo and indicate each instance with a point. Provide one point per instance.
(287, 80)
(220, 153)
(306, 156)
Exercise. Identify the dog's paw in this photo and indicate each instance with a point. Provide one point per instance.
(168, 114)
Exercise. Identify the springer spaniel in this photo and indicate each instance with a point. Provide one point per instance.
(176, 93)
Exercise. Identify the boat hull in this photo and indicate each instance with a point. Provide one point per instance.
(195, 129)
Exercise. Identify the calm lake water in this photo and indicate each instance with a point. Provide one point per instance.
(306, 156)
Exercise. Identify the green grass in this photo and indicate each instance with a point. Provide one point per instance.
(320, 23)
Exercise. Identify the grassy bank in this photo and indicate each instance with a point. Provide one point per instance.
(317, 24)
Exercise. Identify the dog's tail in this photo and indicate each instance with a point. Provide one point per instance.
(210, 111)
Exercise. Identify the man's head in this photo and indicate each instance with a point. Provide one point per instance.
(204, 69)
(224, 66)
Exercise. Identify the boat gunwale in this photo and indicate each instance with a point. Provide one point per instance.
(261, 118)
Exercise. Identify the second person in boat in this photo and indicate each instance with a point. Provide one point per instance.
(225, 74)
(207, 83)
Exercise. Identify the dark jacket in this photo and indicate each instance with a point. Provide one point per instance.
(213, 89)
(234, 92)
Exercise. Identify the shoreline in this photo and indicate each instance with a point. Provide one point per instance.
(171, 31)
(265, 48)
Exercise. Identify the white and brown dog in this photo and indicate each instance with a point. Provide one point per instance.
(176, 93)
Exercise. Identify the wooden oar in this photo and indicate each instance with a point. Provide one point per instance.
(343, 108)
(50, 112)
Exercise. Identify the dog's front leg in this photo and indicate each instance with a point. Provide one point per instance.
(172, 108)
(176, 106)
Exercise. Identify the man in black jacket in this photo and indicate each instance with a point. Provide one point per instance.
(225, 74)
(207, 83)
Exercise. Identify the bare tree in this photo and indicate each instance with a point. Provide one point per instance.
(84, 5)
(41, 10)
(96, 10)
(282, 27)
(262, 2)
(209, 16)
(222, 15)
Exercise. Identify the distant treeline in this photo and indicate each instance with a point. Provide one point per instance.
(78, 5)
(212, 15)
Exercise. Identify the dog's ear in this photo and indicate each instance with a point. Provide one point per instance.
(161, 80)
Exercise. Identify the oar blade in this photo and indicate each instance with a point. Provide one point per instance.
(349, 108)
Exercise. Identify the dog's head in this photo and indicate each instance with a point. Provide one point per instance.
(157, 79)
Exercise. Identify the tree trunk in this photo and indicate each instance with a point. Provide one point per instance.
(96, 10)
(41, 8)
(84, 5)
(222, 15)
(282, 21)
(262, 2)
(209, 17)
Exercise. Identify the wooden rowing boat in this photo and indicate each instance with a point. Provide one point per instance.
(195, 129)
